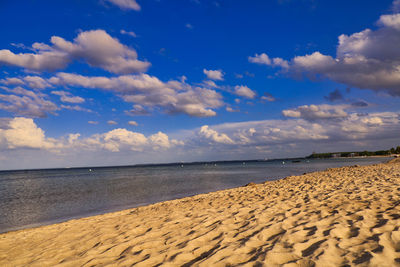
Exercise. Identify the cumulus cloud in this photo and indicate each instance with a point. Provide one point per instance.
(159, 140)
(391, 21)
(26, 103)
(68, 98)
(97, 48)
(289, 137)
(122, 139)
(21, 133)
(264, 59)
(115, 139)
(133, 123)
(24, 133)
(242, 90)
(148, 91)
(369, 59)
(216, 75)
(126, 4)
(315, 112)
(250, 135)
(210, 135)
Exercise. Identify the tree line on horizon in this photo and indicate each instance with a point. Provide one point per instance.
(356, 153)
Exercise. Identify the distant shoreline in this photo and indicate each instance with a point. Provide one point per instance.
(191, 163)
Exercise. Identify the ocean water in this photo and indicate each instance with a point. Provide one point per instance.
(31, 198)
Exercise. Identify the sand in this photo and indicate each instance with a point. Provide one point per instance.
(346, 216)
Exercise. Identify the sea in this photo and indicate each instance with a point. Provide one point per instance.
(30, 198)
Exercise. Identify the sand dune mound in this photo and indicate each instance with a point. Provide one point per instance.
(347, 216)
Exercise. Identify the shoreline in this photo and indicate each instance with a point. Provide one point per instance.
(237, 225)
(175, 197)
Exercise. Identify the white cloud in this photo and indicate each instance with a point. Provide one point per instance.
(260, 59)
(115, 139)
(43, 60)
(211, 135)
(314, 112)
(189, 26)
(392, 21)
(148, 91)
(93, 122)
(73, 138)
(68, 98)
(34, 82)
(314, 61)
(126, 4)
(211, 84)
(137, 110)
(268, 97)
(133, 123)
(12, 81)
(96, 48)
(24, 133)
(26, 103)
(246, 136)
(372, 120)
(99, 49)
(123, 139)
(242, 90)
(130, 33)
(75, 108)
(159, 140)
(250, 139)
(216, 75)
(264, 59)
(369, 59)
(230, 109)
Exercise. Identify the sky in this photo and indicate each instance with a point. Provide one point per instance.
(121, 82)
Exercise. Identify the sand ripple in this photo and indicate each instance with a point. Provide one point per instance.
(347, 216)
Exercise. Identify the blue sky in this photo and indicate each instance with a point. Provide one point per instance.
(110, 82)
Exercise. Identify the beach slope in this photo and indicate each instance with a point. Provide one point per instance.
(347, 216)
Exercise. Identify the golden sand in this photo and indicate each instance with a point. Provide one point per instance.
(344, 216)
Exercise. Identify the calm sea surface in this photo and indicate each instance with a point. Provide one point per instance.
(36, 197)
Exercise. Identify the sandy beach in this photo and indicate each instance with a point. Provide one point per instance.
(347, 216)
